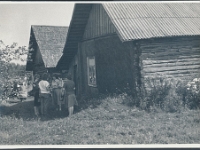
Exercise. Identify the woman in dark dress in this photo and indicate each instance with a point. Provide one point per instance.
(36, 94)
(56, 91)
(69, 95)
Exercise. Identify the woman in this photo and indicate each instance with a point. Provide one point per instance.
(70, 98)
(56, 91)
(36, 91)
(45, 96)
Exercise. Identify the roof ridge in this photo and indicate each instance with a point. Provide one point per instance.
(48, 26)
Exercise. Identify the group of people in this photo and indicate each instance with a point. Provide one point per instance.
(57, 92)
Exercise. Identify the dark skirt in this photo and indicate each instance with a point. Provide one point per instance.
(70, 100)
(36, 98)
(57, 96)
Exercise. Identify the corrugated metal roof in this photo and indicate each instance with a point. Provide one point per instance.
(136, 21)
(51, 41)
(149, 20)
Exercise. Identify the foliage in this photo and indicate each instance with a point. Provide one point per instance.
(190, 93)
(153, 93)
(169, 95)
(9, 54)
(192, 96)
(173, 101)
(111, 122)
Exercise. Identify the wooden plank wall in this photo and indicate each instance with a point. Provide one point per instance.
(32, 45)
(98, 23)
(113, 63)
(177, 57)
(71, 66)
(87, 49)
(115, 72)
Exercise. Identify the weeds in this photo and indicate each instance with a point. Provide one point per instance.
(169, 95)
(115, 119)
(153, 93)
(192, 97)
(111, 122)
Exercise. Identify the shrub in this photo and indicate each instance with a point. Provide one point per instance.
(153, 93)
(173, 101)
(181, 90)
(162, 93)
(192, 96)
(127, 99)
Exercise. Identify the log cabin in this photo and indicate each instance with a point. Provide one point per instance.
(113, 47)
(45, 48)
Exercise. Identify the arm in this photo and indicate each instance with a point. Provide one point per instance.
(60, 83)
(48, 86)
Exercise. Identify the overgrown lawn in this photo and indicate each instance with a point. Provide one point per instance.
(110, 122)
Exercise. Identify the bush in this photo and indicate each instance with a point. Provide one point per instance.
(192, 97)
(190, 93)
(167, 94)
(161, 93)
(127, 99)
(153, 93)
(173, 101)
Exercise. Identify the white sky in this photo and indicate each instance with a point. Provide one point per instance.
(16, 18)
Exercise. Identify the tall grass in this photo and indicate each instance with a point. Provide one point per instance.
(167, 94)
(110, 122)
(113, 119)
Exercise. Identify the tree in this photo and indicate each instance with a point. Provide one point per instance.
(9, 54)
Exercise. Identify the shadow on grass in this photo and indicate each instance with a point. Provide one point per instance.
(19, 110)
(25, 110)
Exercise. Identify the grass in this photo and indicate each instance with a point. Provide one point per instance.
(106, 121)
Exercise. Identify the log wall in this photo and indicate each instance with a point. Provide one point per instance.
(177, 57)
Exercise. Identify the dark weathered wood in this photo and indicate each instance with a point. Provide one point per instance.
(98, 23)
(178, 58)
(189, 60)
(169, 65)
(161, 51)
(186, 77)
(175, 68)
(186, 71)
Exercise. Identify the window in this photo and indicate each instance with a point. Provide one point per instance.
(91, 70)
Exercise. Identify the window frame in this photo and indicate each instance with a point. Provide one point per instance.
(88, 71)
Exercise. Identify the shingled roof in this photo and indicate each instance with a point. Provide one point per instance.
(51, 41)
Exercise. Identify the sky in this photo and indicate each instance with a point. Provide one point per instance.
(16, 18)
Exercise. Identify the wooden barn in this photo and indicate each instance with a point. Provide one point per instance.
(112, 47)
(45, 48)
